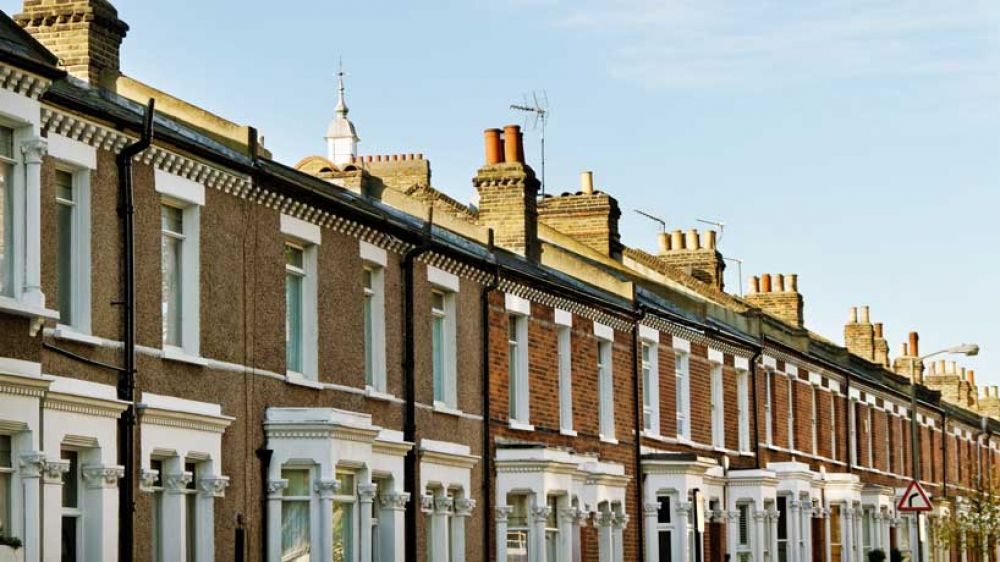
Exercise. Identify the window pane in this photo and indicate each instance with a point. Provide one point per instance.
(6, 228)
(343, 532)
(298, 481)
(5, 457)
(64, 185)
(4, 503)
(172, 295)
(6, 142)
(172, 219)
(293, 256)
(70, 480)
(64, 261)
(437, 335)
(190, 528)
(369, 335)
(665, 546)
(69, 539)
(437, 301)
(295, 531)
(663, 510)
(293, 322)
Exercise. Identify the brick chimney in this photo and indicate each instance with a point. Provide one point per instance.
(908, 363)
(86, 35)
(589, 216)
(881, 347)
(783, 302)
(989, 402)
(508, 193)
(955, 384)
(859, 334)
(694, 253)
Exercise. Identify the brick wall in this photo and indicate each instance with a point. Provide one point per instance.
(591, 218)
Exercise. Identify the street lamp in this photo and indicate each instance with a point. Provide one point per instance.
(967, 349)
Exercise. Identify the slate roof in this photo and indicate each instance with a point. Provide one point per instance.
(19, 48)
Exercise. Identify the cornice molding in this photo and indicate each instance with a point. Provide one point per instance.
(539, 296)
(22, 82)
(184, 420)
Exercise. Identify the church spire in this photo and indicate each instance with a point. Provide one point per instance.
(341, 138)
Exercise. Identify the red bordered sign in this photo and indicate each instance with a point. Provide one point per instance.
(914, 499)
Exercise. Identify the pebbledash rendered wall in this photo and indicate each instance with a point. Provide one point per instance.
(810, 407)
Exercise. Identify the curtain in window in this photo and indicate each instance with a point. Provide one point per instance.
(295, 517)
(173, 232)
(343, 532)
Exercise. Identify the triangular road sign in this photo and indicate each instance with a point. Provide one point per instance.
(914, 499)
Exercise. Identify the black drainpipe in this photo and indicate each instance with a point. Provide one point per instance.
(756, 403)
(487, 499)
(126, 379)
(640, 313)
(410, 411)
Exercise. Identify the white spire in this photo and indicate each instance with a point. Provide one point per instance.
(341, 138)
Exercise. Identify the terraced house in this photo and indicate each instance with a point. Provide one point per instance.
(210, 355)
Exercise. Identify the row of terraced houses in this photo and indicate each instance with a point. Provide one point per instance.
(210, 355)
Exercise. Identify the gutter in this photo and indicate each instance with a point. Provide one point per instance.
(126, 377)
(409, 390)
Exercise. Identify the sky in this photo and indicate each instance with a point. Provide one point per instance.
(853, 142)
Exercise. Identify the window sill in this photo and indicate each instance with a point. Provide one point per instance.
(609, 440)
(298, 379)
(651, 435)
(520, 426)
(67, 333)
(178, 355)
(568, 432)
(370, 392)
(442, 408)
(18, 308)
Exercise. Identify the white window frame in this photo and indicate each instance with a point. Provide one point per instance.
(814, 400)
(374, 262)
(605, 382)
(12, 270)
(833, 425)
(517, 358)
(651, 385)
(718, 411)
(78, 511)
(682, 377)
(8, 471)
(743, 404)
(852, 429)
(744, 517)
(79, 160)
(564, 353)
(447, 285)
(768, 407)
(792, 381)
(869, 435)
(188, 196)
(307, 237)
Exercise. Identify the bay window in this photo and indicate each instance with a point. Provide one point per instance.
(744, 548)
(552, 530)
(664, 529)
(517, 528)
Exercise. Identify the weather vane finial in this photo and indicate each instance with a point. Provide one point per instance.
(341, 105)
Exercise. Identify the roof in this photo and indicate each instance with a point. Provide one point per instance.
(19, 48)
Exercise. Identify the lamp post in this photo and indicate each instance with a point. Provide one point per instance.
(967, 349)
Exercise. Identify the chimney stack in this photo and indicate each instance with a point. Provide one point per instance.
(696, 254)
(859, 334)
(508, 193)
(589, 216)
(908, 363)
(86, 35)
(784, 303)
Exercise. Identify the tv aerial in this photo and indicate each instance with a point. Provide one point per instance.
(539, 107)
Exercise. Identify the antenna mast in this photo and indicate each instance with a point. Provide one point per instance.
(540, 109)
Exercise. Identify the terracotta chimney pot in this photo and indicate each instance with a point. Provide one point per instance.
(754, 284)
(587, 182)
(510, 143)
(765, 283)
(972, 377)
(779, 283)
(792, 281)
(914, 344)
(878, 330)
(494, 151)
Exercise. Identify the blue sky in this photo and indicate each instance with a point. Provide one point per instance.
(854, 142)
